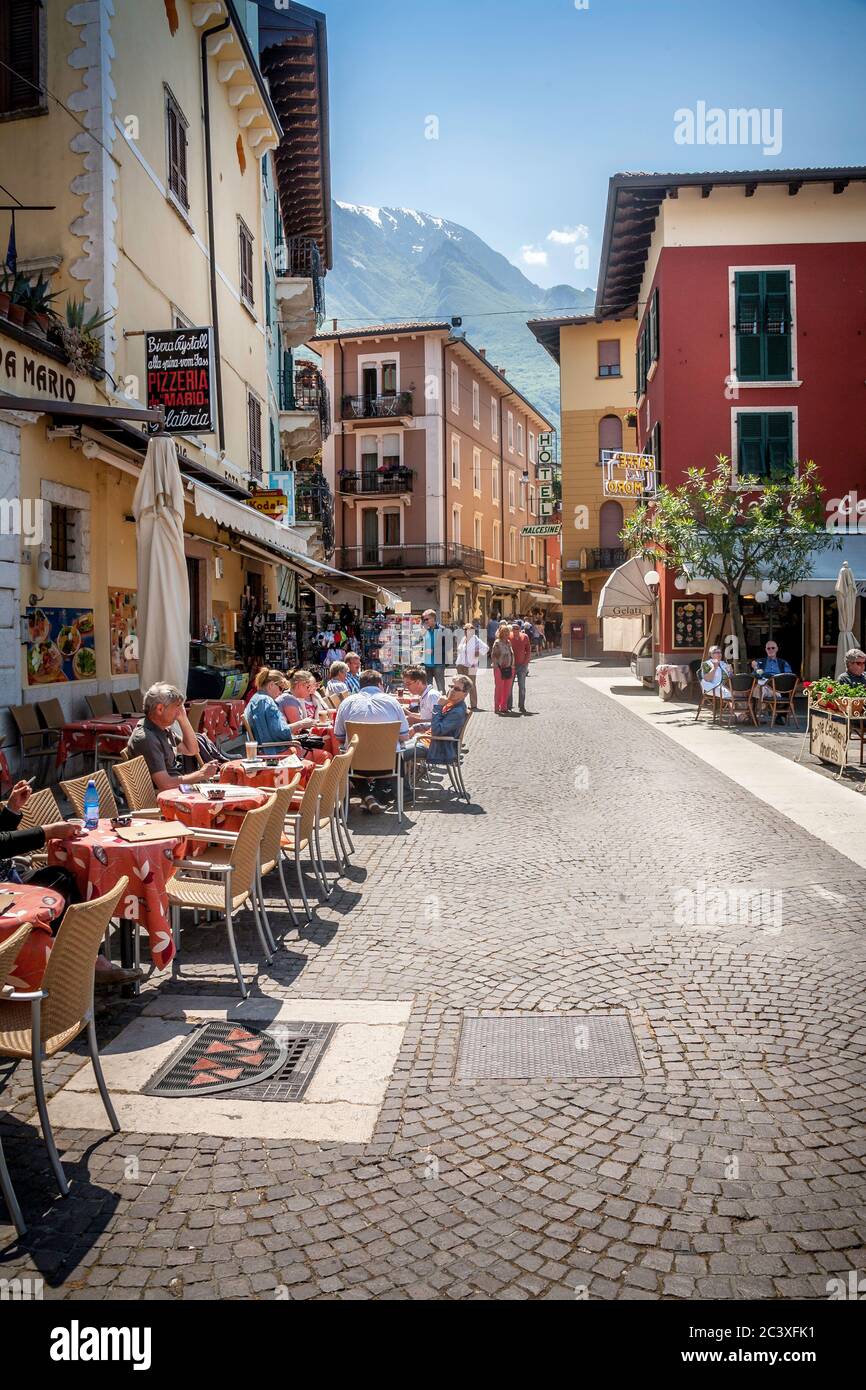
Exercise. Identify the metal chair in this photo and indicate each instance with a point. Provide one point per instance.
(711, 698)
(9, 950)
(779, 694)
(51, 713)
(34, 740)
(27, 1030)
(742, 688)
(377, 754)
(75, 790)
(455, 768)
(99, 705)
(237, 886)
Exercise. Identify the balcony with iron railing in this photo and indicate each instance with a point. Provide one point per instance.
(381, 481)
(440, 555)
(302, 391)
(385, 407)
(604, 557)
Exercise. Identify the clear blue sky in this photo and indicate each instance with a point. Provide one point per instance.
(539, 103)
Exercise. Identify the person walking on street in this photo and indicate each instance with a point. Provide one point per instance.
(434, 649)
(492, 629)
(470, 650)
(522, 648)
(502, 661)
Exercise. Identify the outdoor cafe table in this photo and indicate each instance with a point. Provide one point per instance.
(40, 907)
(98, 858)
(270, 773)
(82, 735)
(198, 811)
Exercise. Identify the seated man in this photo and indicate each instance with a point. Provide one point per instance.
(448, 720)
(855, 663)
(415, 681)
(370, 706)
(168, 755)
(771, 665)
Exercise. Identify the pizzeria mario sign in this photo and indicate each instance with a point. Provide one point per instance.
(179, 378)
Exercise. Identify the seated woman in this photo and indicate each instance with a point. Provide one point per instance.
(301, 700)
(265, 719)
(337, 684)
(713, 672)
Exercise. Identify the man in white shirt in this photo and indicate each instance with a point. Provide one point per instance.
(415, 681)
(470, 651)
(370, 706)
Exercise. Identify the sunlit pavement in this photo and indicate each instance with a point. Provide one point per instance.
(602, 868)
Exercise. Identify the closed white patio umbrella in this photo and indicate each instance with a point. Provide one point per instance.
(846, 599)
(163, 586)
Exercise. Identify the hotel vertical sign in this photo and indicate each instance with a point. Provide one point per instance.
(179, 378)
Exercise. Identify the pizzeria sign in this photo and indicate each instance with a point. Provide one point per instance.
(179, 367)
(628, 475)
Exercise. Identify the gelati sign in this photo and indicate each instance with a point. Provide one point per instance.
(179, 378)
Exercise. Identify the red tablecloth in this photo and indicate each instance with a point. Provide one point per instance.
(276, 774)
(80, 736)
(99, 858)
(39, 906)
(4, 770)
(222, 719)
(196, 809)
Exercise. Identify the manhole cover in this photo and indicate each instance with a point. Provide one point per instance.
(255, 1063)
(537, 1047)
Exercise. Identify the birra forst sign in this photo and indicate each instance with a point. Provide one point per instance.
(628, 475)
(179, 374)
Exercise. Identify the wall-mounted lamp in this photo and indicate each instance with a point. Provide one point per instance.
(652, 578)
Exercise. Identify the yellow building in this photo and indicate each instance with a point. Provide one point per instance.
(132, 143)
(597, 391)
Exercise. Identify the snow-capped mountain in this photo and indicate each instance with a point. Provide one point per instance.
(399, 263)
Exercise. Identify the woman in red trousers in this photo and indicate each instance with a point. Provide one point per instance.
(502, 661)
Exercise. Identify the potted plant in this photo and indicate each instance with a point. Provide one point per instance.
(38, 305)
(78, 337)
(5, 292)
(631, 419)
(19, 296)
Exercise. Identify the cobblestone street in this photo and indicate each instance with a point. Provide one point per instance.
(732, 1168)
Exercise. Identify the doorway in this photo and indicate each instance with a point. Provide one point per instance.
(370, 536)
(783, 622)
(193, 576)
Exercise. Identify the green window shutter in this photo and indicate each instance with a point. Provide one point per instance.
(779, 435)
(750, 445)
(747, 296)
(777, 325)
(654, 346)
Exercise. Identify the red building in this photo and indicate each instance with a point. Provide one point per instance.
(751, 303)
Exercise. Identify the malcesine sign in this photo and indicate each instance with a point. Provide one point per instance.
(77, 1343)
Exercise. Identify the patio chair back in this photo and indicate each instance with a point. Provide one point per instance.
(9, 951)
(376, 749)
(123, 702)
(334, 700)
(309, 802)
(248, 728)
(274, 830)
(136, 783)
(330, 789)
(68, 979)
(785, 684)
(740, 685)
(245, 849)
(29, 729)
(41, 809)
(344, 762)
(99, 706)
(196, 714)
(78, 786)
(51, 713)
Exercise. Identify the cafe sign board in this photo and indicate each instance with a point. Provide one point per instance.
(179, 367)
(828, 737)
(628, 475)
(20, 369)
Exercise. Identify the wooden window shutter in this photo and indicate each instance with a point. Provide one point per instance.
(655, 326)
(750, 442)
(747, 300)
(19, 51)
(777, 325)
(779, 443)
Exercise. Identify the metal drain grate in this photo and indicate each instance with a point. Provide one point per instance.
(253, 1062)
(539, 1047)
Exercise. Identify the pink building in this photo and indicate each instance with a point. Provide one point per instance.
(432, 463)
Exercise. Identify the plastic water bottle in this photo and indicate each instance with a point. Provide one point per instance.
(91, 806)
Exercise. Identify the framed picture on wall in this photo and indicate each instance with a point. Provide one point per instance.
(60, 645)
(122, 631)
(689, 623)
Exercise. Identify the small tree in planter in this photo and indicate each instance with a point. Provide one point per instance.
(718, 525)
(78, 338)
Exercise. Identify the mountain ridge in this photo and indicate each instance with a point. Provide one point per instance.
(400, 264)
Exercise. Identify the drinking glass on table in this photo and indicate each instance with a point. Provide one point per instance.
(252, 749)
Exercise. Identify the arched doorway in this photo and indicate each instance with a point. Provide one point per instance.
(609, 433)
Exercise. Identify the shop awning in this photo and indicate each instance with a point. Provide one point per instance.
(824, 570)
(545, 599)
(626, 594)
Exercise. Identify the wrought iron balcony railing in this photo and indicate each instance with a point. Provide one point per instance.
(298, 257)
(441, 555)
(388, 482)
(606, 557)
(377, 407)
(304, 389)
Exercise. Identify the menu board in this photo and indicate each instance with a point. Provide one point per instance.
(123, 631)
(60, 645)
(689, 623)
(179, 378)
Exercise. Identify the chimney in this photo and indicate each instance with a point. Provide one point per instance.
(334, 323)
(482, 352)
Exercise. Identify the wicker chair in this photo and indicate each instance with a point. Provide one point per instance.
(137, 786)
(34, 740)
(300, 833)
(344, 761)
(187, 888)
(75, 790)
(9, 950)
(41, 809)
(378, 755)
(27, 1030)
(330, 798)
